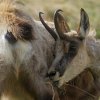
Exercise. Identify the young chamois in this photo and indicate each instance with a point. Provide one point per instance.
(77, 53)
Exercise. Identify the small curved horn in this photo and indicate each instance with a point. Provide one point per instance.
(53, 33)
(60, 24)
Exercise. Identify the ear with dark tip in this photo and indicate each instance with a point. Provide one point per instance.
(53, 34)
(60, 24)
(84, 24)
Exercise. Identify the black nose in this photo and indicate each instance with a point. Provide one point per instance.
(10, 37)
(51, 74)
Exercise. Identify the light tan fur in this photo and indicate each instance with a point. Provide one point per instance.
(24, 64)
(76, 51)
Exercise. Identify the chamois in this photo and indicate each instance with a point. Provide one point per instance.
(76, 68)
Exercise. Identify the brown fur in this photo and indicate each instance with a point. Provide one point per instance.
(23, 62)
(82, 87)
(17, 25)
(83, 52)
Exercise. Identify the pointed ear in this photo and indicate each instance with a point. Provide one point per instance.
(84, 25)
(60, 24)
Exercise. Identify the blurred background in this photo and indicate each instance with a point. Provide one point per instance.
(71, 10)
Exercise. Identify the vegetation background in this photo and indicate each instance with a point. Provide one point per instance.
(71, 10)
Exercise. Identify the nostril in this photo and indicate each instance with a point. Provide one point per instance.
(51, 74)
(10, 37)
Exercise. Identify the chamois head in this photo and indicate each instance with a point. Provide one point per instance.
(14, 23)
(21, 60)
(70, 46)
(15, 28)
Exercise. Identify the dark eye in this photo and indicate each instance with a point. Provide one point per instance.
(26, 31)
(73, 48)
(10, 37)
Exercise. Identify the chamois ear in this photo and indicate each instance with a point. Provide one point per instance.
(84, 24)
(60, 24)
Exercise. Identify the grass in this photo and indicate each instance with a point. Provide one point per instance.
(71, 10)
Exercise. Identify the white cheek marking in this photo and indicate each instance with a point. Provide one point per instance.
(5, 50)
(78, 64)
(23, 48)
(23, 51)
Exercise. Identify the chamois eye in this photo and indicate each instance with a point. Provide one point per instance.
(73, 45)
(10, 37)
(26, 31)
(73, 48)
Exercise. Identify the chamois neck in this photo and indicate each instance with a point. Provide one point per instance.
(93, 47)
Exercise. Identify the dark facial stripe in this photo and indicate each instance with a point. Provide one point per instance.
(26, 31)
(68, 57)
